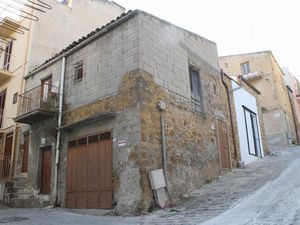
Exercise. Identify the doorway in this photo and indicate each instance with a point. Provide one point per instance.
(223, 145)
(46, 170)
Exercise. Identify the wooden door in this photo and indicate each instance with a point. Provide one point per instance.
(89, 172)
(223, 145)
(2, 104)
(46, 170)
(7, 154)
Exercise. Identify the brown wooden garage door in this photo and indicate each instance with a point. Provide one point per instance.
(89, 172)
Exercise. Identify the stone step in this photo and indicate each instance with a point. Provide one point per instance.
(25, 203)
(9, 184)
(19, 190)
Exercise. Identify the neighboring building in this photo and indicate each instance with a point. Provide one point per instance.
(294, 90)
(262, 71)
(25, 44)
(112, 126)
(248, 120)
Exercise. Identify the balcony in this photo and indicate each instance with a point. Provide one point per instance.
(253, 76)
(5, 166)
(38, 104)
(8, 26)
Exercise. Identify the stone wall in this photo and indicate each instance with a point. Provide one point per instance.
(193, 157)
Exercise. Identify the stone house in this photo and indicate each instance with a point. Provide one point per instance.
(293, 86)
(248, 124)
(24, 45)
(262, 71)
(112, 131)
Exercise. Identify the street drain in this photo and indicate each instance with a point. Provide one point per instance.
(12, 219)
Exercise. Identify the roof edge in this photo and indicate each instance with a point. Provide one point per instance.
(84, 41)
(247, 53)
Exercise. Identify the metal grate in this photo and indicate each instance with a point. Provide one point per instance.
(105, 136)
(93, 138)
(82, 141)
(72, 144)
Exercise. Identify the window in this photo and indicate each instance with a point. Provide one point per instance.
(46, 88)
(245, 68)
(7, 56)
(195, 85)
(79, 71)
(24, 168)
(15, 98)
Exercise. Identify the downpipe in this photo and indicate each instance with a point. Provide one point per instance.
(58, 137)
(162, 108)
(230, 114)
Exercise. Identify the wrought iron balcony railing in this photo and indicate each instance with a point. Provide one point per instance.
(42, 99)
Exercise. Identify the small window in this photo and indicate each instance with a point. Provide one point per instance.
(78, 71)
(195, 85)
(15, 98)
(245, 68)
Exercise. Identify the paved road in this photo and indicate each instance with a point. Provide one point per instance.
(278, 202)
(267, 192)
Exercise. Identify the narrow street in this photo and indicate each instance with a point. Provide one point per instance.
(265, 192)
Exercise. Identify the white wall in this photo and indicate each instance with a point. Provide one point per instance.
(244, 98)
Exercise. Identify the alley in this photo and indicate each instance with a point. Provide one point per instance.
(265, 192)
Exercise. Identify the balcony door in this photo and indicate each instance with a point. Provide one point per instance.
(2, 103)
(46, 88)
(7, 56)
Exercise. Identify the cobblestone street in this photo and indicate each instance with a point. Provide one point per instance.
(265, 192)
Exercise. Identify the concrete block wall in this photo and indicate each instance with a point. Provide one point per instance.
(53, 70)
(166, 52)
(105, 61)
(144, 42)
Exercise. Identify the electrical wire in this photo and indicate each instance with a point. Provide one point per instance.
(29, 6)
(42, 4)
(31, 16)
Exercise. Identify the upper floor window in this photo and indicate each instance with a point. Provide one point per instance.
(78, 71)
(195, 85)
(7, 56)
(245, 68)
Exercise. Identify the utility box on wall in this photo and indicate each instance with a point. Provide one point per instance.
(157, 179)
(158, 185)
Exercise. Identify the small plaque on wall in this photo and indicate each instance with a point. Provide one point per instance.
(43, 141)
